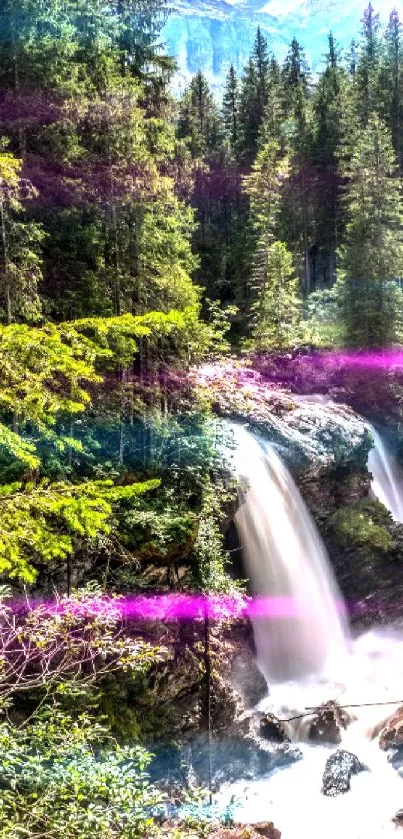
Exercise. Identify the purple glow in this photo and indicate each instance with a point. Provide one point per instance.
(177, 607)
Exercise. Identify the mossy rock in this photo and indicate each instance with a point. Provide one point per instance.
(365, 524)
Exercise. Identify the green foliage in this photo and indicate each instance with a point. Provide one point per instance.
(199, 118)
(20, 241)
(210, 572)
(363, 524)
(62, 772)
(158, 530)
(67, 777)
(321, 324)
(48, 522)
(276, 311)
(372, 254)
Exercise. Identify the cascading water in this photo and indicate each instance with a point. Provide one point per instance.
(387, 477)
(285, 558)
(308, 658)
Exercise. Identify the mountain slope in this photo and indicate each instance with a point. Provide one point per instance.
(211, 34)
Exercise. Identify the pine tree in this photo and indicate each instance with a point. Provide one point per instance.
(371, 257)
(391, 82)
(230, 108)
(254, 98)
(328, 110)
(20, 245)
(275, 303)
(261, 61)
(367, 73)
(276, 309)
(295, 76)
(298, 201)
(199, 117)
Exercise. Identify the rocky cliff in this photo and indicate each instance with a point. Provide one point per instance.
(213, 34)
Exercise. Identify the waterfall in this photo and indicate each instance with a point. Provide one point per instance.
(285, 558)
(387, 477)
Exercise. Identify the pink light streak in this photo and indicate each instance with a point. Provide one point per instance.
(179, 607)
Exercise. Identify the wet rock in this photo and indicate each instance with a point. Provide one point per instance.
(273, 729)
(247, 678)
(233, 758)
(339, 768)
(398, 818)
(328, 723)
(392, 734)
(311, 437)
(395, 757)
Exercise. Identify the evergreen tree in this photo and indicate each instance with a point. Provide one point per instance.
(230, 108)
(261, 61)
(328, 110)
(199, 118)
(295, 76)
(367, 73)
(275, 303)
(372, 254)
(20, 245)
(254, 98)
(391, 82)
(298, 201)
(276, 309)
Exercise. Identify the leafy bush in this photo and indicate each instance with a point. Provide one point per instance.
(66, 778)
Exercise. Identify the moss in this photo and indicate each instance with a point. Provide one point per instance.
(363, 524)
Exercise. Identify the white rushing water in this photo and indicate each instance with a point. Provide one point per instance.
(285, 558)
(387, 477)
(309, 658)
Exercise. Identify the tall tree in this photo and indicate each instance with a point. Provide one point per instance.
(297, 207)
(253, 97)
(371, 258)
(199, 117)
(230, 108)
(20, 243)
(328, 110)
(391, 82)
(367, 73)
(273, 288)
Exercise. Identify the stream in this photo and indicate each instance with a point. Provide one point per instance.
(310, 657)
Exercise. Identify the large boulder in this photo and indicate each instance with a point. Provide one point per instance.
(271, 728)
(328, 723)
(232, 758)
(263, 830)
(339, 768)
(391, 736)
(398, 818)
(312, 437)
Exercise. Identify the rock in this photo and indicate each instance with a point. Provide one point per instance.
(339, 768)
(312, 438)
(273, 729)
(328, 723)
(263, 830)
(392, 734)
(247, 678)
(267, 830)
(398, 818)
(233, 758)
(395, 757)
